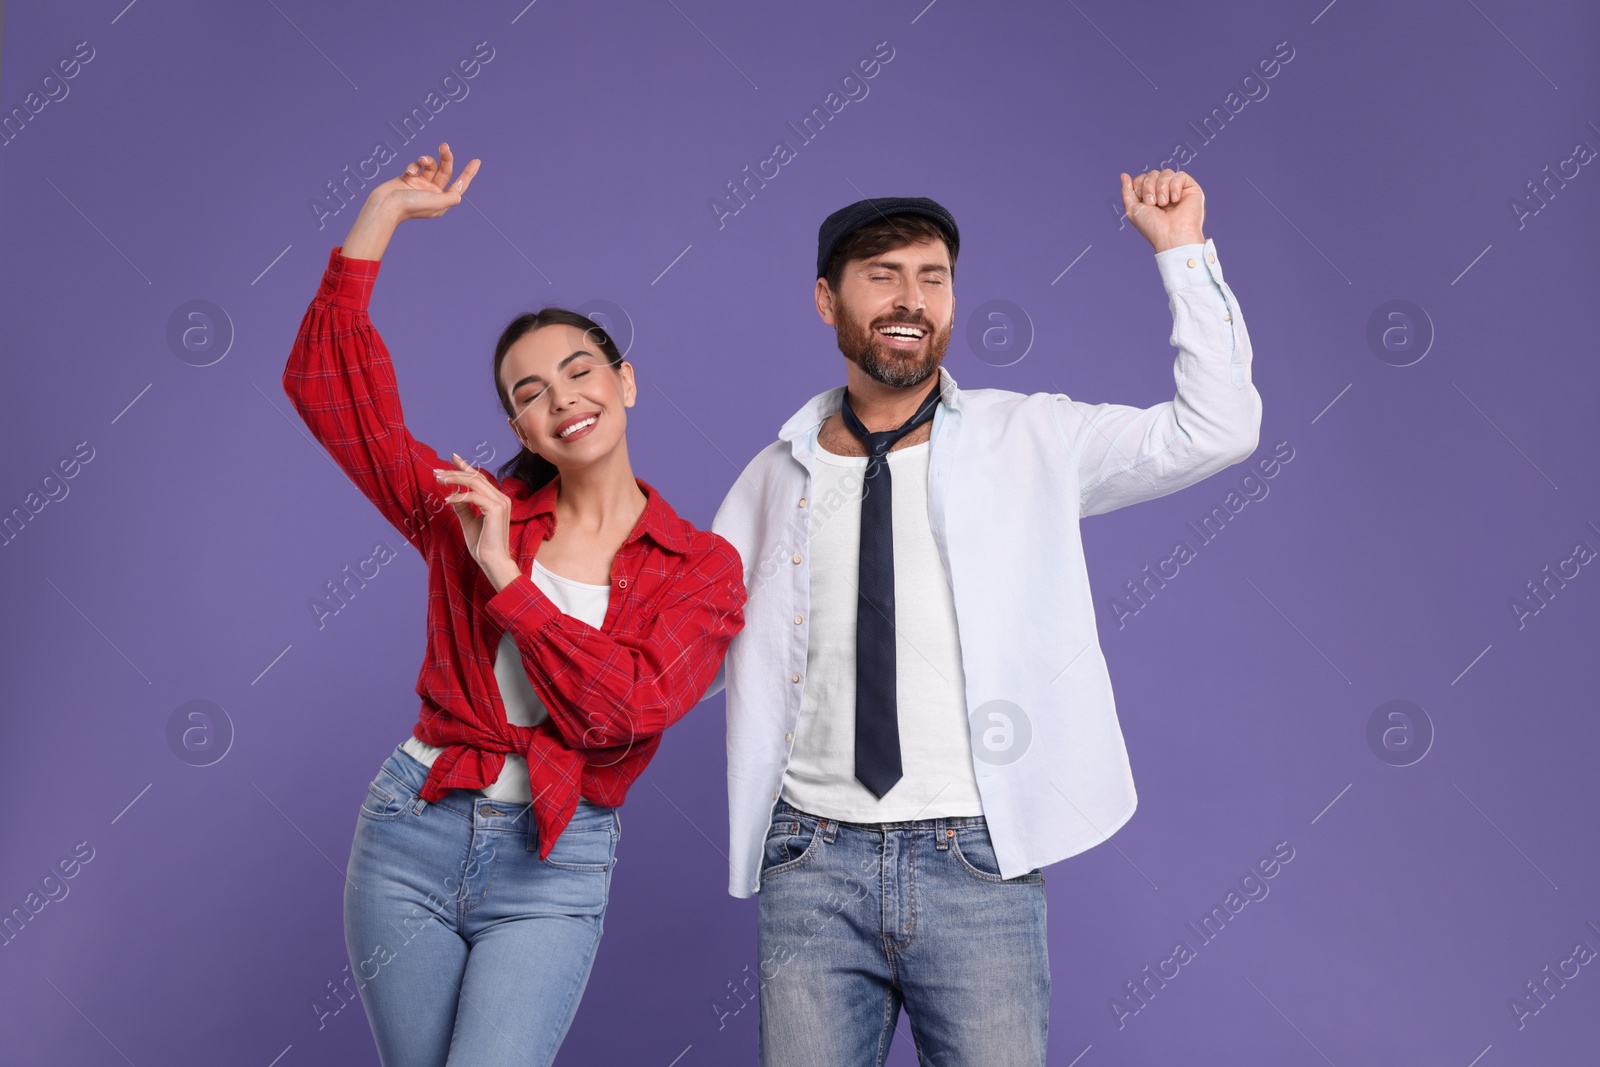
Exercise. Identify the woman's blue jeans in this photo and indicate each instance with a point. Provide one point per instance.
(858, 921)
(467, 948)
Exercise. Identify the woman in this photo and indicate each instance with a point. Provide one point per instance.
(572, 617)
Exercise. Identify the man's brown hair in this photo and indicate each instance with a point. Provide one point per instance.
(876, 238)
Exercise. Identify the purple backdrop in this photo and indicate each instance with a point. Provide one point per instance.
(1399, 206)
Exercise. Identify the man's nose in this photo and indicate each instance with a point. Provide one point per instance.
(910, 297)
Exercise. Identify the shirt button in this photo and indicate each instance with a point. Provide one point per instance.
(775, 794)
(789, 736)
(1227, 316)
(797, 557)
(622, 583)
(1192, 263)
(1210, 258)
(802, 501)
(798, 620)
(794, 677)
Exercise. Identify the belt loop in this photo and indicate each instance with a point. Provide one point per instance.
(418, 805)
(829, 829)
(941, 840)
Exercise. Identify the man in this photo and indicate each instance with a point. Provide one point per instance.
(919, 714)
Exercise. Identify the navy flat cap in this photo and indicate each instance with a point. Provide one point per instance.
(847, 220)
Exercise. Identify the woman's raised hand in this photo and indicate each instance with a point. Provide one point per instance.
(424, 190)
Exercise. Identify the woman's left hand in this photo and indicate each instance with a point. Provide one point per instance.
(485, 514)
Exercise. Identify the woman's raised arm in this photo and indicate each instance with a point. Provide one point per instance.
(339, 376)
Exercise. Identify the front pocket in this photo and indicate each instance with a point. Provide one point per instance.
(790, 841)
(381, 804)
(975, 853)
(590, 850)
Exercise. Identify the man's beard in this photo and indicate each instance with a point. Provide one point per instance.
(863, 345)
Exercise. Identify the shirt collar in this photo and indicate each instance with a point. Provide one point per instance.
(818, 408)
(658, 519)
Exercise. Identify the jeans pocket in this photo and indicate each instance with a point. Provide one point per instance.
(791, 840)
(386, 799)
(586, 844)
(974, 852)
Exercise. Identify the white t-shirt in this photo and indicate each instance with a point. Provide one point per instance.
(931, 705)
(581, 600)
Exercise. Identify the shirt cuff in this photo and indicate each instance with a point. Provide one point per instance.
(1186, 265)
(348, 282)
(523, 602)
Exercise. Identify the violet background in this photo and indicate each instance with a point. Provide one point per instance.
(1420, 500)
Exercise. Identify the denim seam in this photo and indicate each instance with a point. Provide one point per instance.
(886, 1030)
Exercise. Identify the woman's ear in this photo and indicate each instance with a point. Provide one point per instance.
(630, 390)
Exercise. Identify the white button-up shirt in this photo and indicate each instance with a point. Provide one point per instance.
(1010, 475)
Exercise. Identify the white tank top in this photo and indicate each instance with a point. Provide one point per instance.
(580, 600)
(931, 705)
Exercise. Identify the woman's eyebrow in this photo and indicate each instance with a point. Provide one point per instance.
(560, 367)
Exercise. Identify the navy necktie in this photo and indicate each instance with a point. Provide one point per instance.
(877, 724)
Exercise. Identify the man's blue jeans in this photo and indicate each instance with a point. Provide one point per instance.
(857, 920)
(465, 946)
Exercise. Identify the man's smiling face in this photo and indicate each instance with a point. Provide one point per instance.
(894, 312)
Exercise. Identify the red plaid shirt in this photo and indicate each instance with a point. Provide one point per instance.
(677, 593)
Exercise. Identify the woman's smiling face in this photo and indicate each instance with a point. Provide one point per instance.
(570, 403)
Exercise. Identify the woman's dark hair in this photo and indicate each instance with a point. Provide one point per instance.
(527, 467)
(878, 237)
